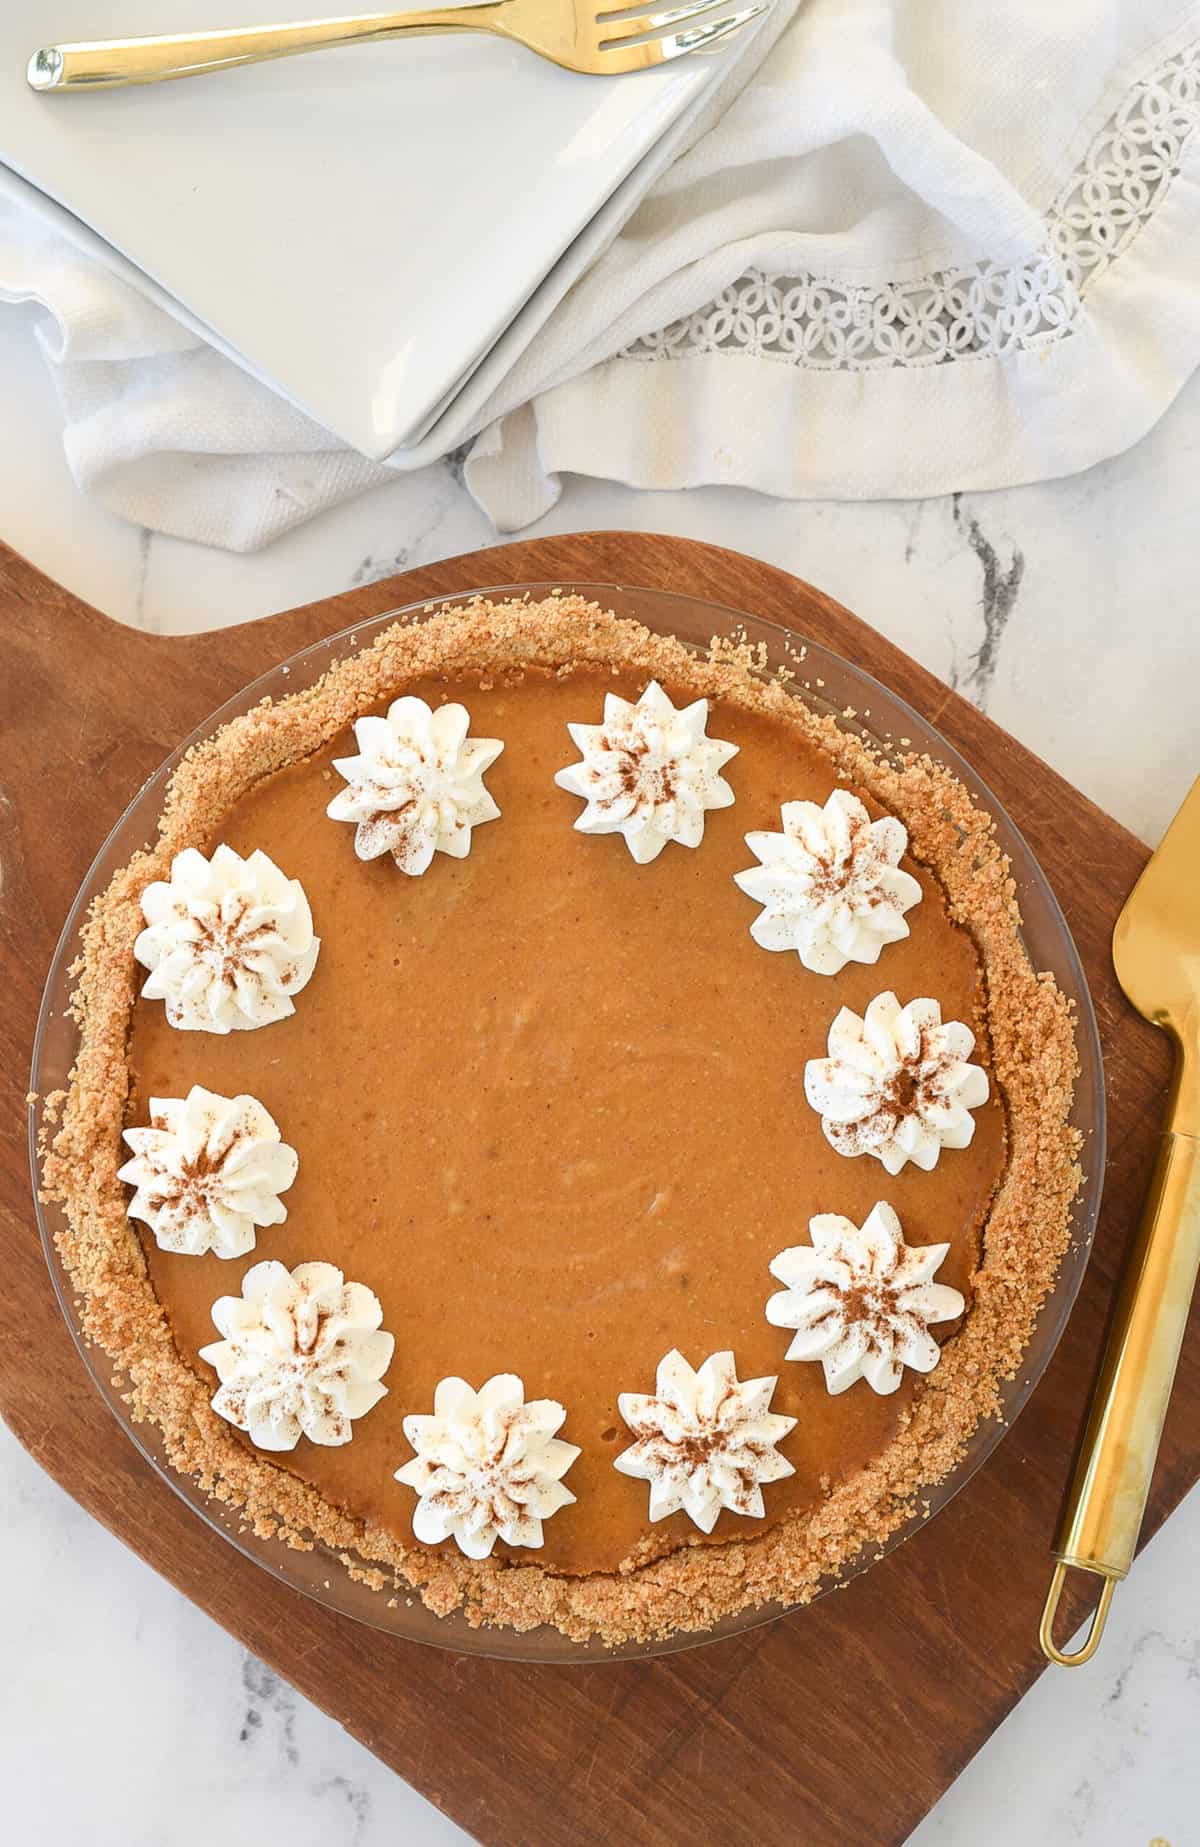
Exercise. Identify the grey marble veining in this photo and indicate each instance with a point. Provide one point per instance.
(997, 599)
(1068, 610)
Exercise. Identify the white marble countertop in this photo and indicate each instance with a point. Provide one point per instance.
(1069, 612)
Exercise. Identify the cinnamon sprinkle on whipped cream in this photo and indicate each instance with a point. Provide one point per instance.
(830, 884)
(301, 1354)
(207, 1171)
(228, 941)
(488, 1465)
(897, 1084)
(416, 786)
(861, 1300)
(649, 772)
(705, 1440)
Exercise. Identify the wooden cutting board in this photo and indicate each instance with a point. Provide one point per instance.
(840, 1724)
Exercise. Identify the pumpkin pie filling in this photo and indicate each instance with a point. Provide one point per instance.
(549, 1107)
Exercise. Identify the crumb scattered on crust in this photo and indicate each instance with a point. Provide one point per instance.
(1026, 1235)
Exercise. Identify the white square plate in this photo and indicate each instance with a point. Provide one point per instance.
(357, 226)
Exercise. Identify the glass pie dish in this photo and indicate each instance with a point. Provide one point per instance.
(833, 687)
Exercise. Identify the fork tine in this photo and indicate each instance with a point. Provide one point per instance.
(619, 54)
(614, 31)
(678, 44)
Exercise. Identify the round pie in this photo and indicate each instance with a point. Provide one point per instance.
(565, 1124)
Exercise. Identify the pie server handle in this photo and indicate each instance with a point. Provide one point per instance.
(1104, 1509)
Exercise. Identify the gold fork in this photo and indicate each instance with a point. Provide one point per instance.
(574, 33)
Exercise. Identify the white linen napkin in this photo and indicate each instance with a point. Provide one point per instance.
(934, 244)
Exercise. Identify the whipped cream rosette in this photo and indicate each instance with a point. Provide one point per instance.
(207, 1171)
(416, 786)
(831, 884)
(648, 772)
(897, 1083)
(862, 1301)
(488, 1465)
(704, 1440)
(302, 1353)
(228, 941)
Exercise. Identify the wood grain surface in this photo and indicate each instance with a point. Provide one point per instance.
(840, 1724)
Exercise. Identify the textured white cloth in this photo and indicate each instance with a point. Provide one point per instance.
(933, 244)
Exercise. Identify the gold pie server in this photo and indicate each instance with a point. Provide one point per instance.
(601, 40)
(1156, 953)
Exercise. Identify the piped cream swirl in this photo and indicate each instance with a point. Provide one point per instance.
(488, 1466)
(228, 941)
(416, 785)
(207, 1171)
(301, 1354)
(897, 1083)
(705, 1440)
(861, 1300)
(830, 884)
(649, 772)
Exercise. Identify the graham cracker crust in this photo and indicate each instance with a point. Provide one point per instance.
(1027, 1232)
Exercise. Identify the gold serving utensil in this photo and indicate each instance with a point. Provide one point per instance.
(1156, 953)
(577, 34)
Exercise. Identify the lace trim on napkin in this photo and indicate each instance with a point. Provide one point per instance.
(983, 310)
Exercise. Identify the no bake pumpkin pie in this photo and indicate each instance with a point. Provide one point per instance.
(564, 1123)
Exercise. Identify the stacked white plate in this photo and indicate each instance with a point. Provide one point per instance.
(376, 231)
